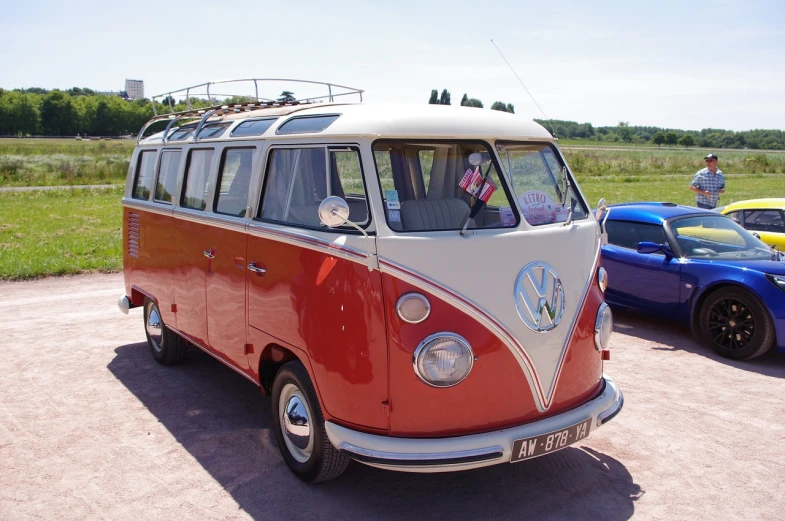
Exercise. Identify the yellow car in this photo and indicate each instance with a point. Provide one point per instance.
(766, 217)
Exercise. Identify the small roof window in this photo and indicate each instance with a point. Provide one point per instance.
(181, 134)
(254, 127)
(307, 124)
(212, 131)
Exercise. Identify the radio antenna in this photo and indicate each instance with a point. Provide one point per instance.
(524, 87)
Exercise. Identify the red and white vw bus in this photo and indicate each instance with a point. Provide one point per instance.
(417, 287)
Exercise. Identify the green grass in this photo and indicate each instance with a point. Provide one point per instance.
(58, 232)
(61, 162)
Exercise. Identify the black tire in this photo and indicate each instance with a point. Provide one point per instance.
(735, 324)
(308, 453)
(166, 346)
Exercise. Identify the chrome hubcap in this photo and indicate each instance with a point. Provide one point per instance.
(296, 423)
(153, 326)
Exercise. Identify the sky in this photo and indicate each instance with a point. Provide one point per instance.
(673, 64)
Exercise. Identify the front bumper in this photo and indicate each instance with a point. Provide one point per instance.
(466, 452)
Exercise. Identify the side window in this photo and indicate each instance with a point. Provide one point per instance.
(144, 175)
(628, 234)
(297, 181)
(233, 181)
(736, 216)
(197, 179)
(167, 176)
(764, 221)
(346, 180)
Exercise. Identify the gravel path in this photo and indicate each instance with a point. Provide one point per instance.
(92, 428)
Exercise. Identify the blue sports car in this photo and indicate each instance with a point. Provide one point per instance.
(698, 267)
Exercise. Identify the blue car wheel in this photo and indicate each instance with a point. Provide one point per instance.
(735, 324)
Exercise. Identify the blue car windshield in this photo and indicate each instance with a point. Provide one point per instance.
(717, 237)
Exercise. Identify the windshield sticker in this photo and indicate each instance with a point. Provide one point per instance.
(506, 216)
(471, 182)
(392, 201)
(394, 216)
(539, 208)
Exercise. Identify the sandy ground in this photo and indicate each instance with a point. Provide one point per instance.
(92, 428)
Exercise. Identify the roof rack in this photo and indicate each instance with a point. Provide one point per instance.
(255, 101)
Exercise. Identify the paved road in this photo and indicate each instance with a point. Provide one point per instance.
(92, 428)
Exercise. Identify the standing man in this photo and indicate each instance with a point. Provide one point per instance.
(708, 184)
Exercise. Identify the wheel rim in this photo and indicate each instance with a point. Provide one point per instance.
(731, 324)
(154, 328)
(296, 423)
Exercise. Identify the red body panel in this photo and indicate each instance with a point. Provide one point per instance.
(226, 322)
(332, 309)
(189, 280)
(496, 394)
(152, 270)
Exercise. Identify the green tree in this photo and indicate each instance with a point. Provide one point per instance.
(473, 102)
(434, 97)
(624, 131)
(504, 107)
(287, 96)
(687, 140)
(57, 114)
(671, 138)
(445, 98)
(658, 138)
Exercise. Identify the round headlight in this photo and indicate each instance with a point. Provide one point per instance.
(602, 279)
(443, 360)
(603, 327)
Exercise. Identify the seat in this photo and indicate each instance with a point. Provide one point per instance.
(433, 214)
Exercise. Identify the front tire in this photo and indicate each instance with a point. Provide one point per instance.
(166, 346)
(735, 324)
(299, 427)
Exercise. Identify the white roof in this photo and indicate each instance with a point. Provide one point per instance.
(401, 121)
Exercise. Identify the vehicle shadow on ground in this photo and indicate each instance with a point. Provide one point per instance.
(673, 336)
(222, 420)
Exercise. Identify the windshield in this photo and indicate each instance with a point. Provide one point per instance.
(717, 237)
(444, 185)
(538, 181)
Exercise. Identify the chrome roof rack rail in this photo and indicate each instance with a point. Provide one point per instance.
(255, 101)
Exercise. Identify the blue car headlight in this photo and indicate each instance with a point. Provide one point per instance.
(777, 280)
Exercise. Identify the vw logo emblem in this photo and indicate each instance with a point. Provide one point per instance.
(539, 297)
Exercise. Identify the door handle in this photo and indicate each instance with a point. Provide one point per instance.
(209, 254)
(257, 269)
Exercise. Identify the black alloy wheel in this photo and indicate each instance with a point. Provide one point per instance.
(735, 324)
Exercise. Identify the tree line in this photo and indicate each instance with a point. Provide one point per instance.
(82, 111)
(708, 137)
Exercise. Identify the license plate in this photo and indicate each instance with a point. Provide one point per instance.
(528, 448)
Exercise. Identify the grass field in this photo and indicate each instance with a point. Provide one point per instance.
(58, 162)
(70, 231)
(57, 232)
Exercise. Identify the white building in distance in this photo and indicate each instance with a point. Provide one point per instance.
(134, 89)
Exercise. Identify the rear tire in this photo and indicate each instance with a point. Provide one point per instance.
(299, 427)
(166, 346)
(735, 324)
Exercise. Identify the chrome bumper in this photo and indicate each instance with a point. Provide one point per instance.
(466, 452)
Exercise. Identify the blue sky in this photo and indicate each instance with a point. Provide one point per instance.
(689, 64)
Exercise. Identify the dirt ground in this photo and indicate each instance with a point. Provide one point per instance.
(92, 428)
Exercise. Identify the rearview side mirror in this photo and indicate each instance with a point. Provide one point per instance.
(645, 247)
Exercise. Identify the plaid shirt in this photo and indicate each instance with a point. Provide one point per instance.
(705, 180)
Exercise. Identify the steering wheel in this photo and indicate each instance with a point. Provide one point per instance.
(705, 251)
